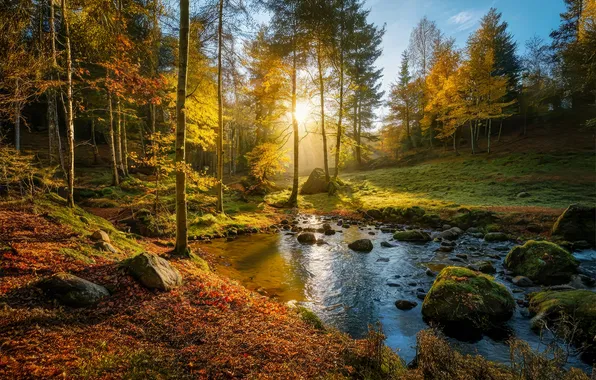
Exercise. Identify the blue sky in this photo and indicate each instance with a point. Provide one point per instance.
(456, 18)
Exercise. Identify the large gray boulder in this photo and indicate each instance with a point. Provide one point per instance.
(576, 223)
(316, 183)
(71, 290)
(154, 272)
(100, 235)
(307, 238)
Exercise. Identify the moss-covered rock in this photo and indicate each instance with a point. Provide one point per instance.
(576, 223)
(561, 309)
(461, 295)
(307, 238)
(361, 245)
(411, 235)
(473, 218)
(154, 272)
(542, 262)
(496, 236)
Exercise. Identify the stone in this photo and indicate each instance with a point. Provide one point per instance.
(576, 223)
(405, 304)
(383, 260)
(522, 281)
(421, 295)
(542, 262)
(316, 183)
(329, 232)
(361, 245)
(412, 235)
(105, 246)
(154, 272)
(486, 301)
(387, 244)
(307, 238)
(100, 235)
(496, 236)
(451, 234)
(71, 290)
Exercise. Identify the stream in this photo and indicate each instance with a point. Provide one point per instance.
(350, 290)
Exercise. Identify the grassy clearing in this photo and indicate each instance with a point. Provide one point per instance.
(552, 181)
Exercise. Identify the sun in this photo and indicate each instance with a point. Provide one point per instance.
(302, 111)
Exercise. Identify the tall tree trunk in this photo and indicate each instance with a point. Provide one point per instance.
(52, 111)
(355, 127)
(94, 142)
(472, 137)
(490, 124)
(17, 122)
(359, 136)
(119, 138)
(455, 143)
(181, 212)
(124, 146)
(500, 130)
(322, 101)
(341, 92)
(293, 200)
(115, 176)
(220, 126)
(69, 110)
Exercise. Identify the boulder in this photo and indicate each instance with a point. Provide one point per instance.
(576, 223)
(473, 218)
(316, 183)
(556, 309)
(542, 262)
(387, 244)
(307, 238)
(154, 272)
(405, 304)
(329, 232)
(100, 235)
(106, 247)
(483, 266)
(496, 236)
(361, 245)
(460, 295)
(450, 234)
(411, 235)
(73, 291)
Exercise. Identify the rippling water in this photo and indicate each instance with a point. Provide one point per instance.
(350, 290)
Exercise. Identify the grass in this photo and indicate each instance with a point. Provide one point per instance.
(553, 181)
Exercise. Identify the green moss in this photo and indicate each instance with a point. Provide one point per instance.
(310, 317)
(411, 235)
(542, 261)
(463, 295)
(560, 308)
(199, 262)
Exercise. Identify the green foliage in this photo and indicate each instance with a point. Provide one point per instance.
(265, 161)
(311, 318)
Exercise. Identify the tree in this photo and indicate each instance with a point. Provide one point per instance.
(181, 210)
(69, 110)
(220, 125)
(265, 161)
(402, 97)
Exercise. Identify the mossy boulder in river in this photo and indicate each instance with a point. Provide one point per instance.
(411, 235)
(473, 218)
(461, 295)
(542, 262)
(307, 238)
(560, 310)
(361, 245)
(576, 223)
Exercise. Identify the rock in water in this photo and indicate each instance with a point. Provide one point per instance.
(315, 183)
(100, 235)
(542, 262)
(522, 281)
(411, 235)
(362, 245)
(496, 236)
(405, 304)
(72, 290)
(154, 272)
(576, 223)
(307, 238)
(577, 306)
(460, 295)
(450, 234)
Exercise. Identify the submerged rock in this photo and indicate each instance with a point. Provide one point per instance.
(72, 290)
(405, 304)
(307, 238)
(361, 245)
(316, 183)
(387, 244)
(542, 262)
(576, 223)
(460, 295)
(522, 281)
(412, 235)
(154, 272)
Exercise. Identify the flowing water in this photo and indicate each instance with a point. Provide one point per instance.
(350, 290)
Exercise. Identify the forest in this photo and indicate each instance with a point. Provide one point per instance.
(243, 189)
